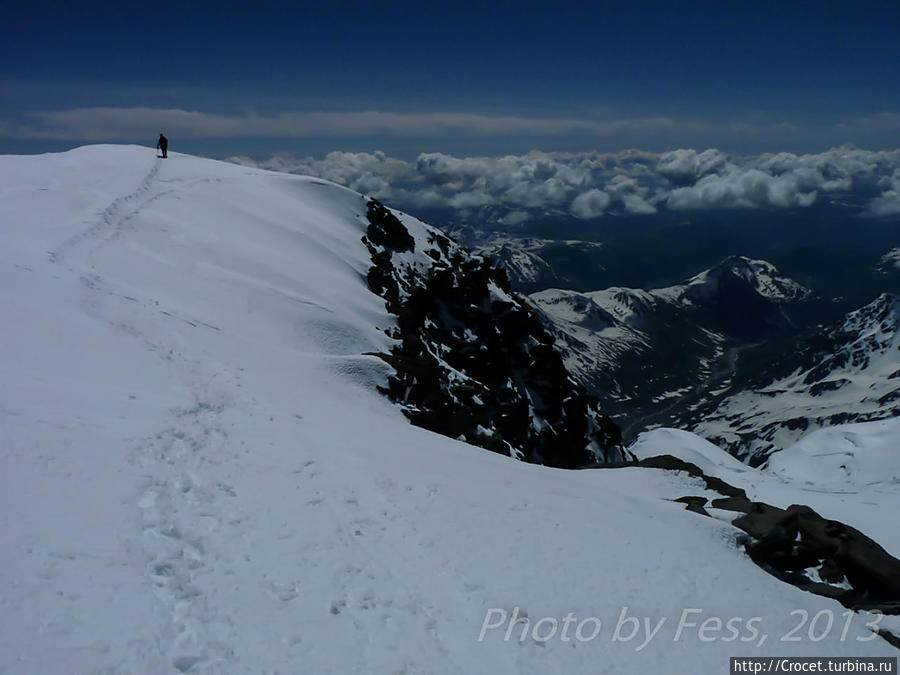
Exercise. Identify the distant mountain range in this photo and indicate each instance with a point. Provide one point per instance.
(846, 372)
(651, 349)
(534, 263)
(721, 355)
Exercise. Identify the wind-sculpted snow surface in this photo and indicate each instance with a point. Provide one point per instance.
(844, 457)
(199, 474)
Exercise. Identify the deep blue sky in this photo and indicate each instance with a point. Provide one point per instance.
(744, 77)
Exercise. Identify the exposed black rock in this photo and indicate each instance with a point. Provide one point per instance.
(473, 360)
(890, 637)
(828, 385)
(795, 540)
(385, 229)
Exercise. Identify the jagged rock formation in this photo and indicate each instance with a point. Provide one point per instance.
(473, 360)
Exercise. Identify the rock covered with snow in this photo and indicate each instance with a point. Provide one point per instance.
(473, 360)
(523, 263)
(795, 543)
(688, 447)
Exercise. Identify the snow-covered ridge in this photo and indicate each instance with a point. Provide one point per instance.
(200, 476)
(632, 306)
(522, 265)
(593, 338)
(844, 457)
(847, 469)
(716, 284)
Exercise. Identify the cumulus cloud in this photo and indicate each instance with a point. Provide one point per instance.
(373, 174)
(782, 180)
(511, 189)
(683, 167)
(508, 189)
(590, 204)
(635, 204)
(888, 204)
(750, 188)
(630, 194)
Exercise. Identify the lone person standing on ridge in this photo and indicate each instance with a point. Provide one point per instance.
(163, 145)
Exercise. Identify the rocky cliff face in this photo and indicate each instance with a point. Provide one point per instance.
(473, 360)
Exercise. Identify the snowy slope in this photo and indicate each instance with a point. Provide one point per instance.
(522, 261)
(593, 340)
(531, 262)
(199, 475)
(844, 457)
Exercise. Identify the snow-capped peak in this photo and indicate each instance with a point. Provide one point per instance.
(759, 275)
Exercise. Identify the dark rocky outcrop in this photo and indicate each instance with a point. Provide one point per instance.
(795, 540)
(473, 361)
(385, 229)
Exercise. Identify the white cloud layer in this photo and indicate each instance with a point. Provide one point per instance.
(513, 188)
(683, 167)
(590, 204)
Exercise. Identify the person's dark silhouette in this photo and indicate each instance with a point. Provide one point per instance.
(163, 145)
